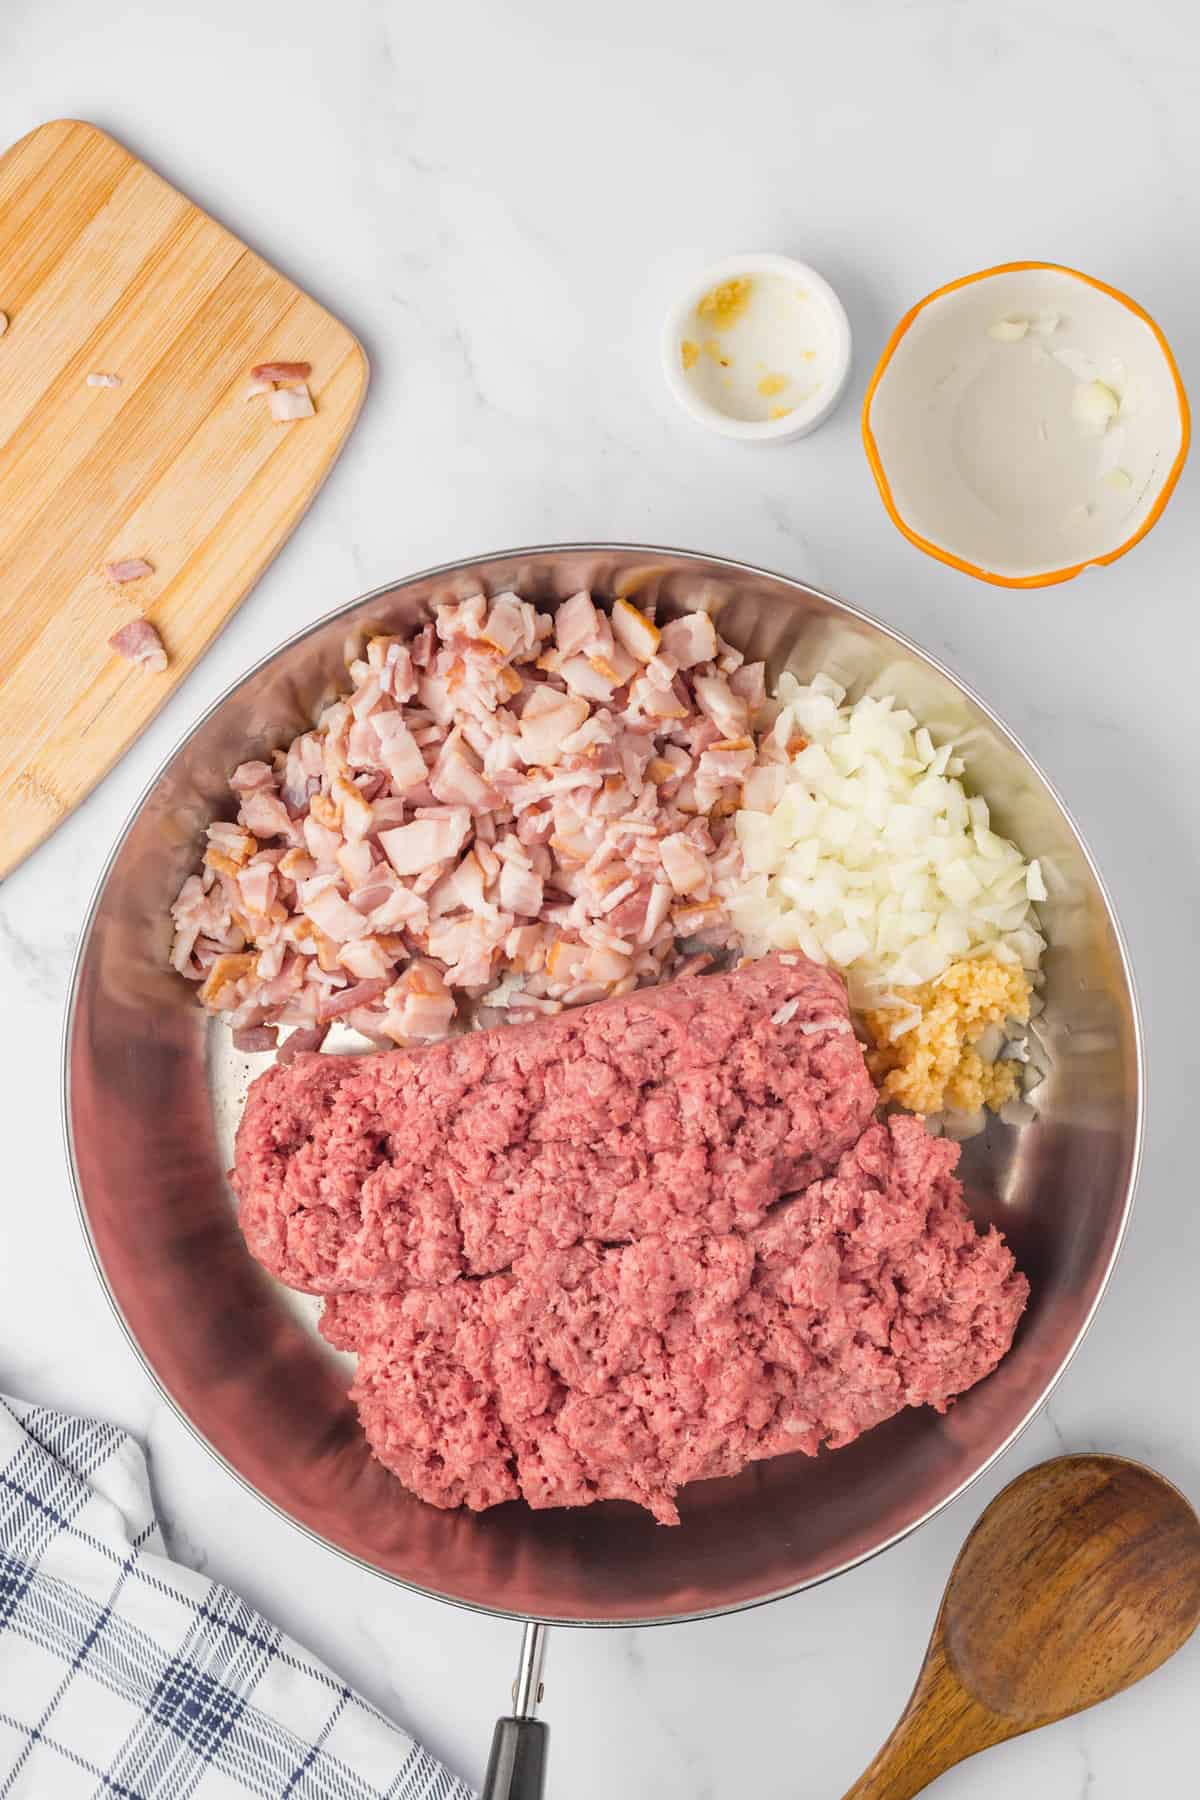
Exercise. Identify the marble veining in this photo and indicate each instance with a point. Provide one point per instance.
(501, 200)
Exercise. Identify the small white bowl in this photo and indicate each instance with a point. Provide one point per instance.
(1026, 423)
(783, 350)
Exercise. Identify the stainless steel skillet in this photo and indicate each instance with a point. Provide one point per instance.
(151, 1093)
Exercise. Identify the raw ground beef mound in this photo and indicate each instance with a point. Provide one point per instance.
(561, 1255)
(682, 1111)
(621, 1372)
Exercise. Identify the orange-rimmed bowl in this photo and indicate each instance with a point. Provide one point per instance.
(1026, 423)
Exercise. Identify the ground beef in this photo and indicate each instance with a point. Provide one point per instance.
(682, 1112)
(596, 1371)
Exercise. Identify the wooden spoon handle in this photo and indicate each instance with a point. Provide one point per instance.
(941, 1725)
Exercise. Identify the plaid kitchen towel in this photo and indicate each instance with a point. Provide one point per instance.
(124, 1674)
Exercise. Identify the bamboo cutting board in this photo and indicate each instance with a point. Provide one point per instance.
(106, 268)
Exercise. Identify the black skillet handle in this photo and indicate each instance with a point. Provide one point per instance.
(517, 1765)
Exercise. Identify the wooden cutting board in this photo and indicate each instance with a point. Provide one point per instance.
(106, 268)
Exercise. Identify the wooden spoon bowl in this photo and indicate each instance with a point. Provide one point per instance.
(1079, 1579)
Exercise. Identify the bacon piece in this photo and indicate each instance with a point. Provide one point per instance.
(281, 371)
(258, 885)
(367, 958)
(265, 815)
(298, 1043)
(291, 403)
(690, 640)
(413, 848)
(634, 631)
(549, 718)
(426, 1007)
(658, 702)
(225, 973)
(763, 787)
(521, 891)
(749, 683)
(249, 776)
(129, 568)
(727, 710)
(138, 642)
(344, 1000)
(575, 624)
(456, 780)
(333, 915)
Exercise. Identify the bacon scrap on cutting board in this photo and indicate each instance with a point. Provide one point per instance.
(138, 642)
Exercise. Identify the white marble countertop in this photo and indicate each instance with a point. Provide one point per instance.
(499, 198)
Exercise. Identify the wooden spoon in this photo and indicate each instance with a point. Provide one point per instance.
(1080, 1578)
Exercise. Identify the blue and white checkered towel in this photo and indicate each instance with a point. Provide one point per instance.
(124, 1674)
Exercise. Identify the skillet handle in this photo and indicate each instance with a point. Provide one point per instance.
(517, 1765)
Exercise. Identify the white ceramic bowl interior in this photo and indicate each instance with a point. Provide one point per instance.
(987, 431)
(773, 369)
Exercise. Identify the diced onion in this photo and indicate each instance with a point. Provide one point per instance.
(958, 1126)
(874, 858)
(1094, 404)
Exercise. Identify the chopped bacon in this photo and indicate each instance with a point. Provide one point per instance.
(281, 371)
(333, 915)
(575, 624)
(727, 710)
(398, 677)
(548, 719)
(725, 760)
(422, 647)
(504, 796)
(585, 679)
(690, 640)
(251, 775)
(762, 787)
(291, 403)
(356, 812)
(298, 1042)
(648, 696)
(413, 848)
(254, 1038)
(258, 884)
(634, 631)
(344, 1000)
(129, 568)
(402, 907)
(521, 891)
(686, 868)
(374, 891)
(749, 683)
(265, 815)
(456, 779)
(138, 642)
(426, 1006)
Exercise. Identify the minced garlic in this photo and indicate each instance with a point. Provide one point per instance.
(726, 303)
(933, 1065)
